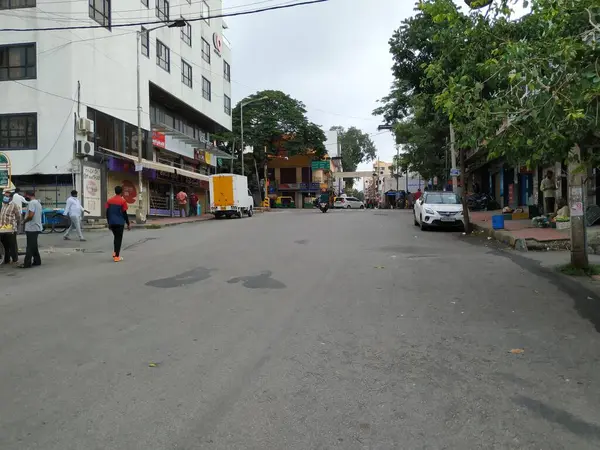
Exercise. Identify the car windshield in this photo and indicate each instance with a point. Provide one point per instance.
(442, 199)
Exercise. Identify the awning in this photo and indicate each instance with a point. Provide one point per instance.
(145, 163)
(187, 173)
(194, 142)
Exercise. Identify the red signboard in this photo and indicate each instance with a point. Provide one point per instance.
(218, 43)
(158, 139)
(129, 192)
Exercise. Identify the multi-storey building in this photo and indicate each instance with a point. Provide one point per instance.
(69, 90)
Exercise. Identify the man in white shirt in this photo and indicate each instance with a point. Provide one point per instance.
(74, 211)
(20, 201)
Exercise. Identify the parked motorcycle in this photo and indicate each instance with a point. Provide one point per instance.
(479, 202)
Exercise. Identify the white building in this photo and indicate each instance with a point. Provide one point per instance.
(48, 78)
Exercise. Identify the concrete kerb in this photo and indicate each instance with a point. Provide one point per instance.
(503, 236)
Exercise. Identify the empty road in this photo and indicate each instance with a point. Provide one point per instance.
(296, 330)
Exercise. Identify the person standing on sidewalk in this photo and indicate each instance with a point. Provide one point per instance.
(182, 202)
(33, 228)
(548, 188)
(8, 217)
(74, 211)
(117, 218)
(20, 201)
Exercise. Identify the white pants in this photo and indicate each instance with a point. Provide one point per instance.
(75, 225)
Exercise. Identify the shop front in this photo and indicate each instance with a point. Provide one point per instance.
(302, 193)
(165, 186)
(122, 173)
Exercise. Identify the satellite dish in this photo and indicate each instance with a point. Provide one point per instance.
(478, 4)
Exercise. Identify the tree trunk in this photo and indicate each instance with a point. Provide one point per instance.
(579, 256)
(463, 179)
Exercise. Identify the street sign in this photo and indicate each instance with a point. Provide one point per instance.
(320, 165)
(455, 172)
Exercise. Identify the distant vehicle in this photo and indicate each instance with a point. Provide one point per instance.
(348, 203)
(229, 196)
(439, 209)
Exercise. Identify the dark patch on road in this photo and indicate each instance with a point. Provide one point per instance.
(301, 241)
(585, 301)
(561, 417)
(262, 281)
(138, 243)
(183, 279)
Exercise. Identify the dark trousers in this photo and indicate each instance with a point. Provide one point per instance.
(32, 249)
(549, 205)
(193, 210)
(9, 240)
(117, 231)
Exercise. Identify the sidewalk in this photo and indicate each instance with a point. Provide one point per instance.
(521, 234)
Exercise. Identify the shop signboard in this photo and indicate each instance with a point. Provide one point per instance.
(320, 165)
(158, 139)
(92, 189)
(129, 192)
(4, 171)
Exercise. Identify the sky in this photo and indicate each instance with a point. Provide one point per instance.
(333, 56)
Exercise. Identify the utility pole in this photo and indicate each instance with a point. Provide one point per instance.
(463, 178)
(242, 104)
(453, 158)
(579, 256)
(397, 168)
(139, 215)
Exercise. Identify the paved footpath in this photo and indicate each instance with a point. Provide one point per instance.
(297, 330)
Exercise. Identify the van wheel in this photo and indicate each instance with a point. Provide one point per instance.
(250, 212)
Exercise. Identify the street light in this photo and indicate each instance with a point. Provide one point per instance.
(179, 23)
(242, 123)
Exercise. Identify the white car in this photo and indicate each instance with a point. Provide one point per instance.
(439, 209)
(348, 203)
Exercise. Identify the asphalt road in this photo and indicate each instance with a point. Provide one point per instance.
(296, 330)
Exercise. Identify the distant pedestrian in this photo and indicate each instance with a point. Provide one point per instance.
(8, 218)
(548, 187)
(182, 199)
(417, 195)
(193, 204)
(33, 228)
(117, 218)
(74, 211)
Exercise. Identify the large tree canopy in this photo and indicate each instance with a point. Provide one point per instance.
(356, 147)
(273, 121)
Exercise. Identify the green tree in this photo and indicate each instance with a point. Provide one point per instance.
(356, 147)
(277, 124)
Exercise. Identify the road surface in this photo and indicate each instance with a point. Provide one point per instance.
(296, 330)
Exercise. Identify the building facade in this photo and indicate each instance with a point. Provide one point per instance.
(69, 113)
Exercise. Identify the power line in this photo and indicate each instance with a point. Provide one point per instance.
(216, 16)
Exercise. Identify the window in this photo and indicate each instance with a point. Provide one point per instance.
(226, 70)
(227, 105)
(145, 38)
(16, 4)
(163, 56)
(18, 131)
(186, 73)
(145, 3)
(205, 51)
(17, 62)
(186, 33)
(162, 10)
(100, 11)
(205, 11)
(206, 89)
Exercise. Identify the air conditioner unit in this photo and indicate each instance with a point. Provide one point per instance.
(85, 148)
(85, 126)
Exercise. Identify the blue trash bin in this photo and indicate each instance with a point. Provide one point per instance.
(498, 222)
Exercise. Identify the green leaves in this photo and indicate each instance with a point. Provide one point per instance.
(356, 146)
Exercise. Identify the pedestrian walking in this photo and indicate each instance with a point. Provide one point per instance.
(182, 199)
(74, 211)
(117, 218)
(8, 217)
(33, 228)
(193, 204)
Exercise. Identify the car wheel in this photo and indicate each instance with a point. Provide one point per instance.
(348, 207)
(423, 226)
(362, 206)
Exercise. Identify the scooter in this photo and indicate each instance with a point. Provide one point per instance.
(324, 207)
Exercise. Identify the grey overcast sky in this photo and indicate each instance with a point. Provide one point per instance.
(333, 56)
